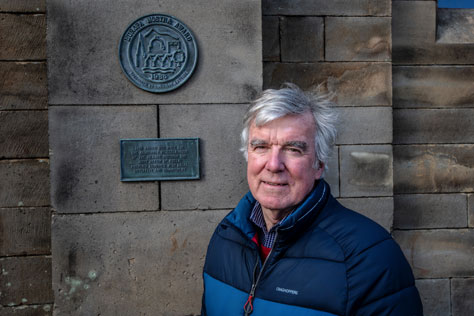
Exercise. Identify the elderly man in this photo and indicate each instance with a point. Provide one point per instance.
(289, 248)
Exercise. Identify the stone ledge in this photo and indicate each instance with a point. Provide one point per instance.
(324, 7)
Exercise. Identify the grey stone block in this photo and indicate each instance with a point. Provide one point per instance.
(379, 210)
(471, 210)
(324, 7)
(433, 86)
(23, 134)
(121, 263)
(415, 211)
(27, 310)
(84, 66)
(331, 176)
(223, 168)
(302, 39)
(23, 86)
(358, 39)
(24, 183)
(364, 125)
(366, 170)
(25, 231)
(455, 26)
(434, 295)
(433, 168)
(422, 126)
(23, 37)
(442, 253)
(85, 158)
(462, 296)
(352, 84)
(25, 280)
(23, 6)
(271, 38)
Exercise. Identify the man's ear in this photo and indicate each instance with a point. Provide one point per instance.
(319, 170)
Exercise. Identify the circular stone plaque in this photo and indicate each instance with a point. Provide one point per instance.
(158, 53)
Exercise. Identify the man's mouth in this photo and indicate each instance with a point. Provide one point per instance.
(274, 183)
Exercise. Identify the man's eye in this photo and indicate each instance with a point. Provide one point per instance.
(294, 150)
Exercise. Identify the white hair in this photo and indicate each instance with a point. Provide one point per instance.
(274, 104)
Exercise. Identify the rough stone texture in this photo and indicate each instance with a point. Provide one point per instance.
(23, 6)
(433, 168)
(223, 168)
(25, 231)
(364, 125)
(324, 7)
(120, 263)
(84, 66)
(271, 38)
(462, 296)
(421, 126)
(471, 210)
(433, 86)
(22, 37)
(434, 295)
(455, 26)
(27, 310)
(332, 175)
(23, 134)
(366, 170)
(85, 158)
(439, 253)
(358, 39)
(24, 182)
(351, 83)
(302, 39)
(25, 280)
(23, 86)
(378, 209)
(415, 211)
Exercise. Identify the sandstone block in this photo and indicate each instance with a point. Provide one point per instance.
(23, 134)
(223, 167)
(358, 39)
(366, 170)
(27, 310)
(23, 6)
(23, 86)
(433, 168)
(23, 36)
(471, 210)
(434, 295)
(352, 84)
(25, 280)
(462, 296)
(302, 39)
(364, 125)
(84, 67)
(455, 26)
(24, 182)
(121, 263)
(85, 158)
(331, 176)
(379, 210)
(442, 253)
(25, 231)
(433, 86)
(323, 7)
(271, 38)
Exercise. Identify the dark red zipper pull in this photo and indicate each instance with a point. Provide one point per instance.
(248, 307)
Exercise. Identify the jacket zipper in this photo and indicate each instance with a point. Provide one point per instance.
(248, 307)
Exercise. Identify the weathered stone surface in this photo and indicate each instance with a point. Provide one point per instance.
(85, 158)
(23, 6)
(23, 86)
(23, 134)
(271, 38)
(455, 26)
(364, 125)
(302, 39)
(84, 66)
(331, 176)
(27, 310)
(358, 39)
(351, 83)
(416, 211)
(433, 86)
(24, 183)
(25, 231)
(433, 168)
(324, 7)
(421, 126)
(378, 209)
(23, 37)
(223, 168)
(439, 253)
(434, 295)
(25, 280)
(462, 296)
(471, 210)
(366, 170)
(120, 263)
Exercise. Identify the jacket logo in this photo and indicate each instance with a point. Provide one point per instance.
(287, 291)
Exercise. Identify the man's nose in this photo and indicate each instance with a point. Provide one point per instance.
(275, 163)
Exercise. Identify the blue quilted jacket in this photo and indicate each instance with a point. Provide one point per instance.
(326, 260)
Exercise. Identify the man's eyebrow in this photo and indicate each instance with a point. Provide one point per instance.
(257, 142)
(298, 144)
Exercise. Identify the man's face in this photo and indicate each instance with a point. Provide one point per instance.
(281, 156)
